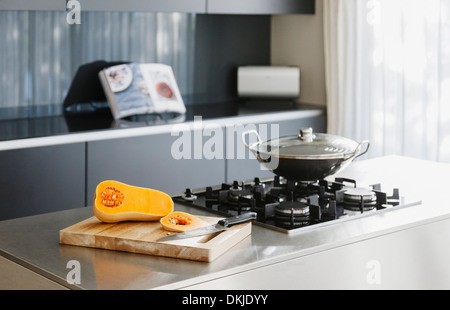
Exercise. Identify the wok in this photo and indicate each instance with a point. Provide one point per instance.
(307, 156)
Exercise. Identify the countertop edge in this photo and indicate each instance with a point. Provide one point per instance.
(33, 268)
(107, 134)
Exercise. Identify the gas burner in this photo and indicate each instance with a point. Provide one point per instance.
(229, 197)
(292, 214)
(295, 208)
(357, 193)
(236, 192)
(239, 200)
(360, 199)
(235, 195)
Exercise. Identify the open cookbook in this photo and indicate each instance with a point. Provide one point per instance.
(134, 88)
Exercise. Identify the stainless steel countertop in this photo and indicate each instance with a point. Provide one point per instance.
(33, 241)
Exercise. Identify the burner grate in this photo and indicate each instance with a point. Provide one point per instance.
(288, 205)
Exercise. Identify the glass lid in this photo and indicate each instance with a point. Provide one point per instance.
(309, 145)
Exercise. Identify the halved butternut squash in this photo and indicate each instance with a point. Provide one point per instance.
(116, 202)
(179, 221)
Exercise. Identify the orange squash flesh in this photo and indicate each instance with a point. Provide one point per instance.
(179, 221)
(116, 202)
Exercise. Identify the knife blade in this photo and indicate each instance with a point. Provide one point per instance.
(221, 225)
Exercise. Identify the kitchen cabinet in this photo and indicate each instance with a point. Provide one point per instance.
(261, 7)
(147, 161)
(266, 7)
(241, 168)
(27, 5)
(405, 259)
(41, 179)
(182, 6)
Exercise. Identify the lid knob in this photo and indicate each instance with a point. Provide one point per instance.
(306, 134)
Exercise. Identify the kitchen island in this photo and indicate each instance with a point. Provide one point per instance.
(400, 249)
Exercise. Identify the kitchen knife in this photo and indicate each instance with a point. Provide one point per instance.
(220, 226)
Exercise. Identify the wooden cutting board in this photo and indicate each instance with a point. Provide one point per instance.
(140, 237)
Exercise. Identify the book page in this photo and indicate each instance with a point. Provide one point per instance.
(129, 91)
(163, 88)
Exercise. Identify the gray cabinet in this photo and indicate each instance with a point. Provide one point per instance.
(247, 167)
(27, 5)
(184, 6)
(261, 7)
(41, 179)
(153, 161)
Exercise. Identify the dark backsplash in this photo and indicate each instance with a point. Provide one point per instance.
(208, 64)
(224, 42)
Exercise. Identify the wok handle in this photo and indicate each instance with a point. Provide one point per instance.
(246, 133)
(358, 152)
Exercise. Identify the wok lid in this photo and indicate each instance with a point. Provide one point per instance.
(309, 145)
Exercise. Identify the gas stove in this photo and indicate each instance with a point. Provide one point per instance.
(290, 206)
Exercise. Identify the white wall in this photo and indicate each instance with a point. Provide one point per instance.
(298, 40)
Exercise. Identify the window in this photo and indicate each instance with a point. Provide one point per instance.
(388, 75)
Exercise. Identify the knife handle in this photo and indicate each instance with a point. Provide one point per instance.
(238, 219)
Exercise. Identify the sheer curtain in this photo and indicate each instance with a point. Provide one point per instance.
(388, 75)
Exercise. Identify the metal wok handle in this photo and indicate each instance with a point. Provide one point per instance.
(358, 152)
(246, 133)
(257, 154)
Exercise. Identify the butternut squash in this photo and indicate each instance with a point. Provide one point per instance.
(116, 202)
(179, 221)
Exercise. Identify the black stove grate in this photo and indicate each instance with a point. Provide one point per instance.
(289, 205)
